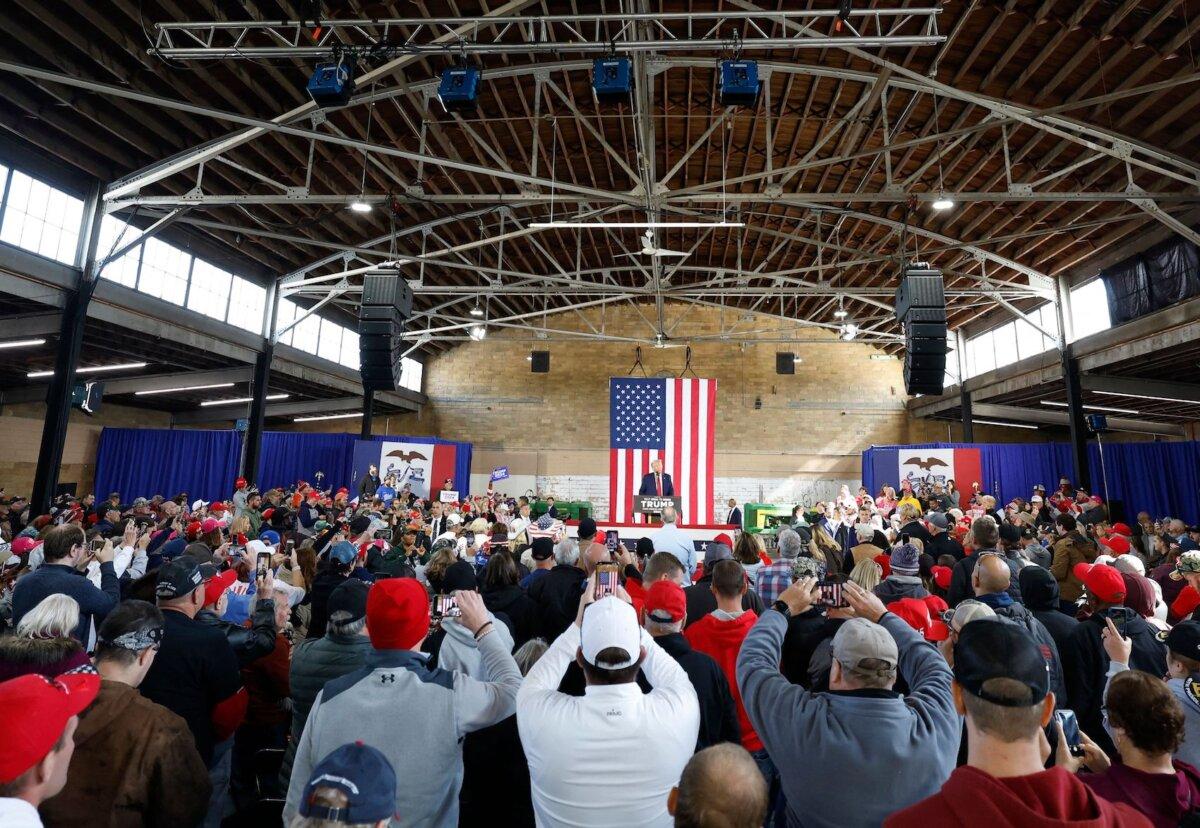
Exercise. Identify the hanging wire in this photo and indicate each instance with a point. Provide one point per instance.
(362, 186)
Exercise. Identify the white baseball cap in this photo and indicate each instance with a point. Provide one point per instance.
(199, 504)
(257, 547)
(611, 623)
(518, 526)
(294, 593)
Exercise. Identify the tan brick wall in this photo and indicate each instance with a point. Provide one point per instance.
(21, 434)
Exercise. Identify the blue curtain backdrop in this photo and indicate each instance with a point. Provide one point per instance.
(146, 461)
(1160, 478)
(140, 462)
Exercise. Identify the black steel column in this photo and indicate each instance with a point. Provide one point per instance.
(252, 441)
(70, 341)
(368, 413)
(968, 417)
(1075, 419)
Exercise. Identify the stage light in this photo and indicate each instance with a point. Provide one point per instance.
(840, 313)
(459, 88)
(848, 331)
(182, 388)
(237, 400)
(360, 206)
(1007, 425)
(1148, 397)
(477, 332)
(612, 78)
(22, 343)
(332, 84)
(738, 84)
(476, 311)
(942, 204)
(93, 369)
(327, 417)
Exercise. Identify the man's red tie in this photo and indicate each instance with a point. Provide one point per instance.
(658, 483)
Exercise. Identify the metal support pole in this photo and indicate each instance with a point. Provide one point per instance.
(1075, 419)
(252, 441)
(368, 411)
(964, 396)
(58, 396)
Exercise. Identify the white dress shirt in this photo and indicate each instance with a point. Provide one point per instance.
(671, 538)
(609, 757)
(17, 813)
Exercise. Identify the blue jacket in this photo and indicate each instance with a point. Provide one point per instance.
(52, 579)
(851, 758)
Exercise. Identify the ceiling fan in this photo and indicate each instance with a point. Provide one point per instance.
(648, 248)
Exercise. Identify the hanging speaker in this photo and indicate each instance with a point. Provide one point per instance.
(539, 362)
(921, 310)
(785, 363)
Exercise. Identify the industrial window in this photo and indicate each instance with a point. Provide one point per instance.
(209, 292)
(329, 345)
(1089, 309)
(307, 334)
(288, 311)
(410, 374)
(116, 233)
(41, 219)
(951, 377)
(350, 356)
(1004, 341)
(246, 303)
(164, 271)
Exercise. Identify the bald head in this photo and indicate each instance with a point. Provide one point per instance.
(597, 553)
(991, 575)
(720, 786)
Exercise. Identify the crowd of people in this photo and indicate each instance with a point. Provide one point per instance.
(920, 657)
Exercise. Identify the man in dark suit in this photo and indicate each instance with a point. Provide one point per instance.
(657, 483)
(735, 514)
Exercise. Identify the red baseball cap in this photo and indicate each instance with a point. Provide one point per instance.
(217, 508)
(725, 539)
(209, 525)
(240, 483)
(1119, 544)
(1102, 581)
(937, 605)
(884, 561)
(915, 613)
(666, 598)
(941, 576)
(42, 708)
(1122, 529)
(397, 614)
(193, 530)
(215, 586)
(23, 546)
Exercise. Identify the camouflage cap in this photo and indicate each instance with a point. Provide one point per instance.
(1188, 562)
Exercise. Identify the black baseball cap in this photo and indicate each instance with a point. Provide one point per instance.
(178, 577)
(1184, 639)
(587, 528)
(350, 597)
(992, 648)
(542, 549)
(1009, 533)
(360, 524)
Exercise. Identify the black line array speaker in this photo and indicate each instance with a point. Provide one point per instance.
(386, 306)
(921, 310)
(785, 363)
(539, 362)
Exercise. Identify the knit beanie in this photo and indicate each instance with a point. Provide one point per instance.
(397, 614)
(905, 559)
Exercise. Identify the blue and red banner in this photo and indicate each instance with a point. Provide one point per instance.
(892, 464)
(423, 466)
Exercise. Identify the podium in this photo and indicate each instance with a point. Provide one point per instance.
(651, 506)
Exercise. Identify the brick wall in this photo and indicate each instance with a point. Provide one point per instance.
(21, 434)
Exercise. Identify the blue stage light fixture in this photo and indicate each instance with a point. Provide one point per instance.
(612, 78)
(739, 83)
(459, 88)
(332, 84)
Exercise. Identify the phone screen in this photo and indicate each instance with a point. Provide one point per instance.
(904, 537)
(606, 580)
(830, 592)
(261, 564)
(291, 544)
(1119, 619)
(1070, 726)
(470, 536)
(97, 543)
(446, 606)
(612, 540)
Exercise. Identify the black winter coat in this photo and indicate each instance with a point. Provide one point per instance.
(522, 612)
(557, 595)
(248, 643)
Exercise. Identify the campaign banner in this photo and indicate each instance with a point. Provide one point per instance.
(928, 465)
(423, 467)
(500, 473)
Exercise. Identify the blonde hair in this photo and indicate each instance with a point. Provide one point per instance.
(240, 525)
(441, 560)
(56, 616)
(867, 574)
(327, 798)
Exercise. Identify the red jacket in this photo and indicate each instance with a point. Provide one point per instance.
(1050, 799)
(723, 640)
(266, 680)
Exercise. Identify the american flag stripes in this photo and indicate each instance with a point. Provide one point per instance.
(668, 419)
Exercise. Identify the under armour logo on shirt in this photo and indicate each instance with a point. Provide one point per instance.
(387, 677)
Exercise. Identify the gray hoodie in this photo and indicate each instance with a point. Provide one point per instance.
(417, 717)
(849, 759)
(459, 651)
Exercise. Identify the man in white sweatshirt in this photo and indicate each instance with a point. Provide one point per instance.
(612, 755)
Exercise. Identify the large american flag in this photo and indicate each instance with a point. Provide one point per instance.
(668, 419)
